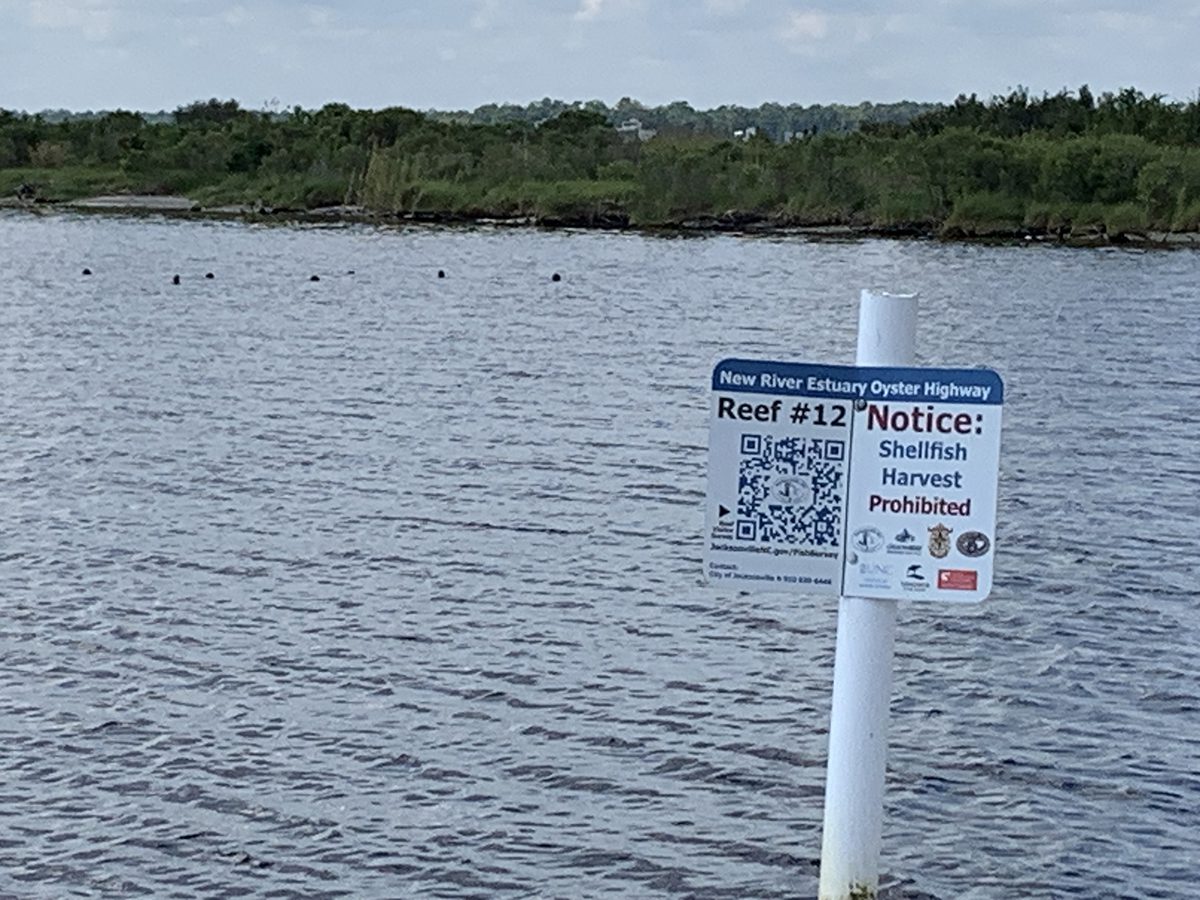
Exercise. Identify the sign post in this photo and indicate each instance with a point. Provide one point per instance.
(852, 833)
(874, 482)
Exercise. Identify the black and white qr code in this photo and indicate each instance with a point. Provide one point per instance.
(790, 490)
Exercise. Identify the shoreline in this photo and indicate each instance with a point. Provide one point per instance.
(730, 223)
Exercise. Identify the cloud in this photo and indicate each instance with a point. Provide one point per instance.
(805, 25)
(588, 10)
(93, 18)
(319, 16)
(724, 7)
(485, 14)
(1125, 22)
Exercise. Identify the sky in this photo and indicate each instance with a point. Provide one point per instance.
(459, 54)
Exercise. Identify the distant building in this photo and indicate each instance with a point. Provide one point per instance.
(633, 128)
(744, 134)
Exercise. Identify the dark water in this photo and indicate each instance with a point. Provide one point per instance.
(389, 586)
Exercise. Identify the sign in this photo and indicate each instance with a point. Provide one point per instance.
(861, 481)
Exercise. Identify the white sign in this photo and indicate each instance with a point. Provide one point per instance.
(866, 482)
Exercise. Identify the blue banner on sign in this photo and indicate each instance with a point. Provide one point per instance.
(860, 382)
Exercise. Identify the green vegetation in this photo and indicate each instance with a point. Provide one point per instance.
(1070, 163)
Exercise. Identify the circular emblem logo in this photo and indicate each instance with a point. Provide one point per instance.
(867, 540)
(788, 491)
(973, 543)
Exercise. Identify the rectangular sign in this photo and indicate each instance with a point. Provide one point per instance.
(861, 481)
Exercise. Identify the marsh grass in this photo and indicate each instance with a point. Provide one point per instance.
(66, 182)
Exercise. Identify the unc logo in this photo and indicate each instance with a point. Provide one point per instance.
(939, 541)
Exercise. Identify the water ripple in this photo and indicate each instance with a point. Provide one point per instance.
(389, 585)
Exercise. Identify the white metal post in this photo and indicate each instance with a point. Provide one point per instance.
(862, 668)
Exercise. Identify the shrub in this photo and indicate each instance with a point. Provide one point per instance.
(1125, 218)
(1045, 216)
(1187, 218)
(911, 208)
(48, 155)
(985, 212)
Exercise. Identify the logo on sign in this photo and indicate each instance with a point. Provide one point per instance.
(788, 491)
(939, 541)
(973, 543)
(905, 543)
(958, 579)
(867, 540)
(875, 575)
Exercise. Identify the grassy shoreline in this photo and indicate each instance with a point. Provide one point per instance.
(1073, 169)
(175, 206)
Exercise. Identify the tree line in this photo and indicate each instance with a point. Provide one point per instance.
(1116, 163)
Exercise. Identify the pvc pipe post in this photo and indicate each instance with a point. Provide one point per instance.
(862, 670)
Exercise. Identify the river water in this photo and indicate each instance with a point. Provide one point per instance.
(387, 585)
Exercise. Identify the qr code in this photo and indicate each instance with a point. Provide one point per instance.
(789, 490)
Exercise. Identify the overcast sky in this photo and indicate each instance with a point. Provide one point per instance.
(452, 54)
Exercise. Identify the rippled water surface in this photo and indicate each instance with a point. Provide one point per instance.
(389, 585)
